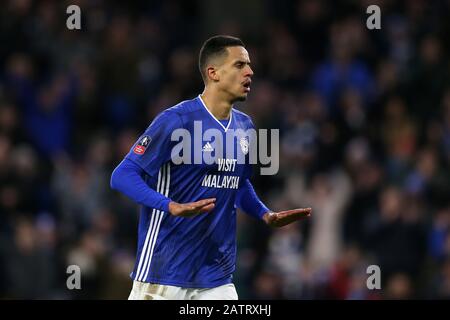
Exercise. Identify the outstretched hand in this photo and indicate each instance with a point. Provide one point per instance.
(192, 208)
(282, 218)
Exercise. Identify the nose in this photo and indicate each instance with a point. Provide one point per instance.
(249, 72)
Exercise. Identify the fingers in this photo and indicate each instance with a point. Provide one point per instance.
(304, 212)
(193, 208)
(283, 218)
(205, 205)
(207, 208)
(202, 203)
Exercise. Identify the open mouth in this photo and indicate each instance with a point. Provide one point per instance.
(246, 85)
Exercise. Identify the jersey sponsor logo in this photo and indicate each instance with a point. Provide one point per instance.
(142, 145)
(220, 182)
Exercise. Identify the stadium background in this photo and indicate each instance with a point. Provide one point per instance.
(364, 118)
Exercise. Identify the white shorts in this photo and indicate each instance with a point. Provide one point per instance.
(151, 291)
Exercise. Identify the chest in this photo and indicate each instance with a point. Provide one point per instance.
(207, 146)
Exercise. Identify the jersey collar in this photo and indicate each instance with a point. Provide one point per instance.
(217, 120)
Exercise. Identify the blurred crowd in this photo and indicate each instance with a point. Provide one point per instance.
(364, 119)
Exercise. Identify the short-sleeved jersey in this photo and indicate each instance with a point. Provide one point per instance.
(196, 252)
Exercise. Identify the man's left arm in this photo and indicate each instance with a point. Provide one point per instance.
(247, 200)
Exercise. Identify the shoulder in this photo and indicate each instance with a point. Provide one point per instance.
(176, 115)
(184, 107)
(242, 117)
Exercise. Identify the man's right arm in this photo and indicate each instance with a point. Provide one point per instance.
(127, 178)
(146, 156)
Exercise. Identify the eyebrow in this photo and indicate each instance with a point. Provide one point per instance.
(242, 61)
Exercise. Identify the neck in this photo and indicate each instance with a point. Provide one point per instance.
(217, 104)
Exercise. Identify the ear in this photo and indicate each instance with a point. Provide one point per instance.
(212, 73)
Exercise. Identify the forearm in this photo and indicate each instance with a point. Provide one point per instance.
(127, 178)
(248, 201)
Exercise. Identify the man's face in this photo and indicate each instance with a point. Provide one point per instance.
(235, 73)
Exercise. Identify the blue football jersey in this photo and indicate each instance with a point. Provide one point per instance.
(196, 252)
